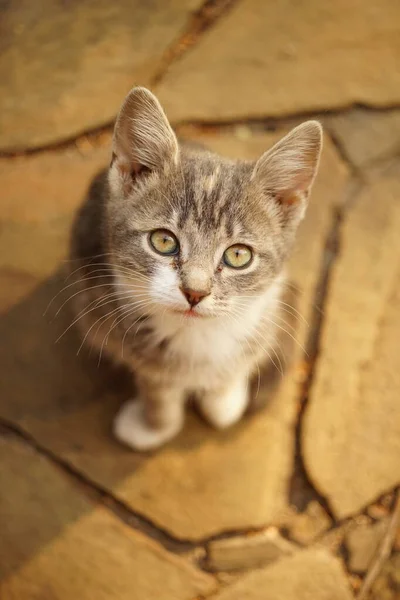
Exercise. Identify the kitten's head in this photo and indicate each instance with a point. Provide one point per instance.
(196, 234)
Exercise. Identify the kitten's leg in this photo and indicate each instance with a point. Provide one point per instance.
(151, 419)
(226, 407)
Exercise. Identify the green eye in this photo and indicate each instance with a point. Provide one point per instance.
(164, 242)
(238, 256)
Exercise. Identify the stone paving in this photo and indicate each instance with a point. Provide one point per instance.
(297, 502)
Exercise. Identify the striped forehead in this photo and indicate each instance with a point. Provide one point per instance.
(211, 197)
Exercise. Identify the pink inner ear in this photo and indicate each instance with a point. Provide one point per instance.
(138, 169)
(288, 169)
(289, 198)
(303, 179)
(126, 167)
(294, 190)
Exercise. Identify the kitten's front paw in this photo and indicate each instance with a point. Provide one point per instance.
(224, 410)
(130, 428)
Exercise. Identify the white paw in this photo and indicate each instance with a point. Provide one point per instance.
(223, 411)
(130, 428)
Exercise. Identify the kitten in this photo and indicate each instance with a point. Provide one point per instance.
(180, 257)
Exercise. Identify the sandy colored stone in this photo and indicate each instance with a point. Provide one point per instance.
(355, 583)
(307, 575)
(202, 483)
(305, 527)
(56, 544)
(268, 60)
(40, 194)
(65, 69)
(351, 432)
(363, 542)
(43, 186)
(378, 511)
(248, 551)
(396, 543)
(367, 135)
(35, 249)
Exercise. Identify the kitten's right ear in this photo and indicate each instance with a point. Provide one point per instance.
(287, 171)
(143, 138)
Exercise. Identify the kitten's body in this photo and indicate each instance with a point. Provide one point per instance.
(133, 303)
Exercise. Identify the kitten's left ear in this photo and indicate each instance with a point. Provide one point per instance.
(287, 171)
(143, 138)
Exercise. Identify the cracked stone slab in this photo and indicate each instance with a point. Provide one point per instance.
(204, 482)
(351, 430)
(266, 59)
(307, 575)
(367, 135)
(65, 69)
(56, 543)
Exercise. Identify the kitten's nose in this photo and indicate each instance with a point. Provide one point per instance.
(194, 296)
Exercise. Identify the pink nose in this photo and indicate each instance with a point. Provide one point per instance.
(194, 296)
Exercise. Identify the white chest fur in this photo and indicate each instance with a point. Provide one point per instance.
(201, 340)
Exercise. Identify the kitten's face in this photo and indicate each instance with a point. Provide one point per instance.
(199, 228)
(193, 234)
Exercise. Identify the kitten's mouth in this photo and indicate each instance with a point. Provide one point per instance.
(190, 312)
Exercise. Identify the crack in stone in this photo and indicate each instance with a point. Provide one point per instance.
(341, 150)
(198, 24)
(360, 173)
(382, 162)
(99, 494)
(287, 118)
(302, 489)
(92, 136)
(95, 135)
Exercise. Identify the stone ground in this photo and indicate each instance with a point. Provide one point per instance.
(299, 502)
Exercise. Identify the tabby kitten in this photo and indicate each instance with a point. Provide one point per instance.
(179, 261)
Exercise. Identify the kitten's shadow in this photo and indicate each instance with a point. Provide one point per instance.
(44, 380)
